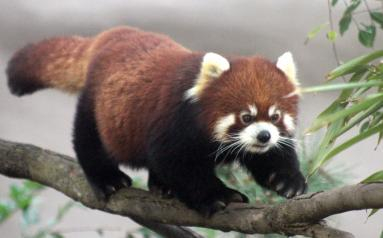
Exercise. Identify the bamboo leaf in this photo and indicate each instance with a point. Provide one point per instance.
(325, 120)
(364, 126)
(324, 157)
(352, 65)
(360, 117)
(375, 177)
(339, 104)
(326, 144)
(350, 142)
(380, 137)
(340, 86)
(373, 211)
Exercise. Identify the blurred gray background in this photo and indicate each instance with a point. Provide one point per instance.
(245, 27)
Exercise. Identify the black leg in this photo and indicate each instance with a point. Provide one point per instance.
(278, 170)
(195, 184)
(158, 187)
(101, 171)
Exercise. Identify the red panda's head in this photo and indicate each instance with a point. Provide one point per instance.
(250, 103)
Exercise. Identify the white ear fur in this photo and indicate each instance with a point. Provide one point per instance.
(286, 64)
(213, 66)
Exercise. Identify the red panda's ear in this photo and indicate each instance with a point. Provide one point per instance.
(212, 66)
(286, 64)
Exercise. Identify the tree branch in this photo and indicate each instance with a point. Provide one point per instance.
(300, 216)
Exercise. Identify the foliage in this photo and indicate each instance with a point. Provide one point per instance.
(25, 198)
(360, 102)
(21, 197)
(355, 12)
(358, 110)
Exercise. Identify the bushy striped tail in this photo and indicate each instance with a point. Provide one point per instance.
(59, 63)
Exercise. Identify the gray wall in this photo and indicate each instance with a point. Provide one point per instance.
(243, 27)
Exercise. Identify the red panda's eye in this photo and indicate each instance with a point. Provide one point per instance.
(274, 117)
(246, 118)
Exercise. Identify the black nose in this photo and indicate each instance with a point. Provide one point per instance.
(263, 136)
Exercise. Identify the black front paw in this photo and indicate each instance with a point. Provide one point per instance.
(107, 184)
(219, 201)
(157, 187)
(287, 184)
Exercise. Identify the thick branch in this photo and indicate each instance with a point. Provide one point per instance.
(299, 216)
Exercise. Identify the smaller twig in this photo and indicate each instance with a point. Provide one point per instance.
(334, 49)
(369, 11)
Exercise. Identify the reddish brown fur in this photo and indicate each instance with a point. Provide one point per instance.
(138, 77)
(59, 63)
(140, 66)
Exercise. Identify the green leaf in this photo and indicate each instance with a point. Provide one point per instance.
(31, 215)
(360, 117)
(6, 209)
(367, 36)
(339, 104)
(331, 36)
(352, 141)
(380, 137)
(373, 211)
(381, 235)
(64, 210)
(364, 126)
(313, 33)
(56, 235)
(340, 86)
(378, 17)
(334, 2)
(325, 120)
(325, 145)
(344, 23)
(352, 65)
(375, 177)
(354, 4)
(21, 196)
(32, 185)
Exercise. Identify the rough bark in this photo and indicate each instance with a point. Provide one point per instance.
(300, 216)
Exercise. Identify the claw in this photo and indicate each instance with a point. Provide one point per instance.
(289, 193)
(236, 197)
(279, 186)
(110, 189)
(272, 177)
(301, 191)
(218, 205)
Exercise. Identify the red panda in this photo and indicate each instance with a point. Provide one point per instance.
(148, 102)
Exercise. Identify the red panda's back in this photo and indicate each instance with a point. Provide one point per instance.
(130, 76)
